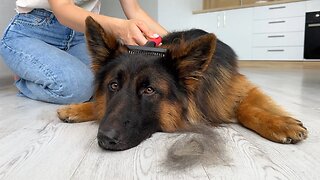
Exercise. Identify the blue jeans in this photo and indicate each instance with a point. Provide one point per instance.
(51, 60)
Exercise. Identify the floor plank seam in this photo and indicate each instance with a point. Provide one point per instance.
(45, 127)
(205, 171)
(84, 156)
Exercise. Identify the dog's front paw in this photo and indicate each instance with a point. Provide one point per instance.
(76, 113)
(288, 130)
(68, 114)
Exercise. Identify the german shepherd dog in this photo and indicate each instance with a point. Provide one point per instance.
(196, 82)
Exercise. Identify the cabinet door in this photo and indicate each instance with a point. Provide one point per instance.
(234, 27)
(207, 21)
(236, 31)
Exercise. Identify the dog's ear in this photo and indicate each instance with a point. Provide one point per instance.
(192, 58)
(102, 45)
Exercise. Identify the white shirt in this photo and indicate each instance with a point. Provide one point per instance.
(25, 6)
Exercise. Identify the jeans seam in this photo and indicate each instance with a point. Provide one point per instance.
(34, 60)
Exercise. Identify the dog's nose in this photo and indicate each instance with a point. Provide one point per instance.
(108, 139)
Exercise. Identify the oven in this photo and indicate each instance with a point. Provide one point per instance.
(312, 36)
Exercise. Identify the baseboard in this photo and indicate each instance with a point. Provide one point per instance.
(280, 64)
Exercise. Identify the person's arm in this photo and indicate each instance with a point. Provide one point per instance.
(72, 16)
(133, 10)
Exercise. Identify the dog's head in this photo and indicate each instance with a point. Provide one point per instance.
(138, 95)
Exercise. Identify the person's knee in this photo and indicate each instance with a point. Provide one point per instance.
(75, 88)
(61, 89)
(72, 87)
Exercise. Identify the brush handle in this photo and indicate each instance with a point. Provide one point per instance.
(150, 44)
(154, 42)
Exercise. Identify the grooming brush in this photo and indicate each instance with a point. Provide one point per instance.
(150, 48)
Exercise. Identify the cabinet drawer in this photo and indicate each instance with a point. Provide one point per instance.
(278, 53)
(278, 39)
(280, 10)
(279, 25)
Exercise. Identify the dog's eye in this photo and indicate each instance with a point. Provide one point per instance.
(148, 91)
(114, 86)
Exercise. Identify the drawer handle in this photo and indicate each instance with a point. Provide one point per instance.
(275, 50)
(278, 7)
(276, 36)
(314, 25)
(275, 22)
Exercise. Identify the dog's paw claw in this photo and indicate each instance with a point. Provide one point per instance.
(287, 140)
(76, 113)
(290, 131)
(66, 114)
(67, 120)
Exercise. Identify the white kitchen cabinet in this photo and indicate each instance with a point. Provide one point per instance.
(278, 39)
(278, 31)
(207, 21)
(273, 32)
(291, 24)
(283, 53)
(313, 5)
(296, 9)
(234, 27)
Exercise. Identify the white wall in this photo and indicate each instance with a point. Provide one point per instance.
(171, 14)
(113, 8)
(6, 13)
(177, 14)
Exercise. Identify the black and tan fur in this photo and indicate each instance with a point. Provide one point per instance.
(197, 82)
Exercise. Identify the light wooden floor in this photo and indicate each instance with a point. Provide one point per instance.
(34, 144)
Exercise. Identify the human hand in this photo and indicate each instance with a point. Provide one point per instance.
(134, 32)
